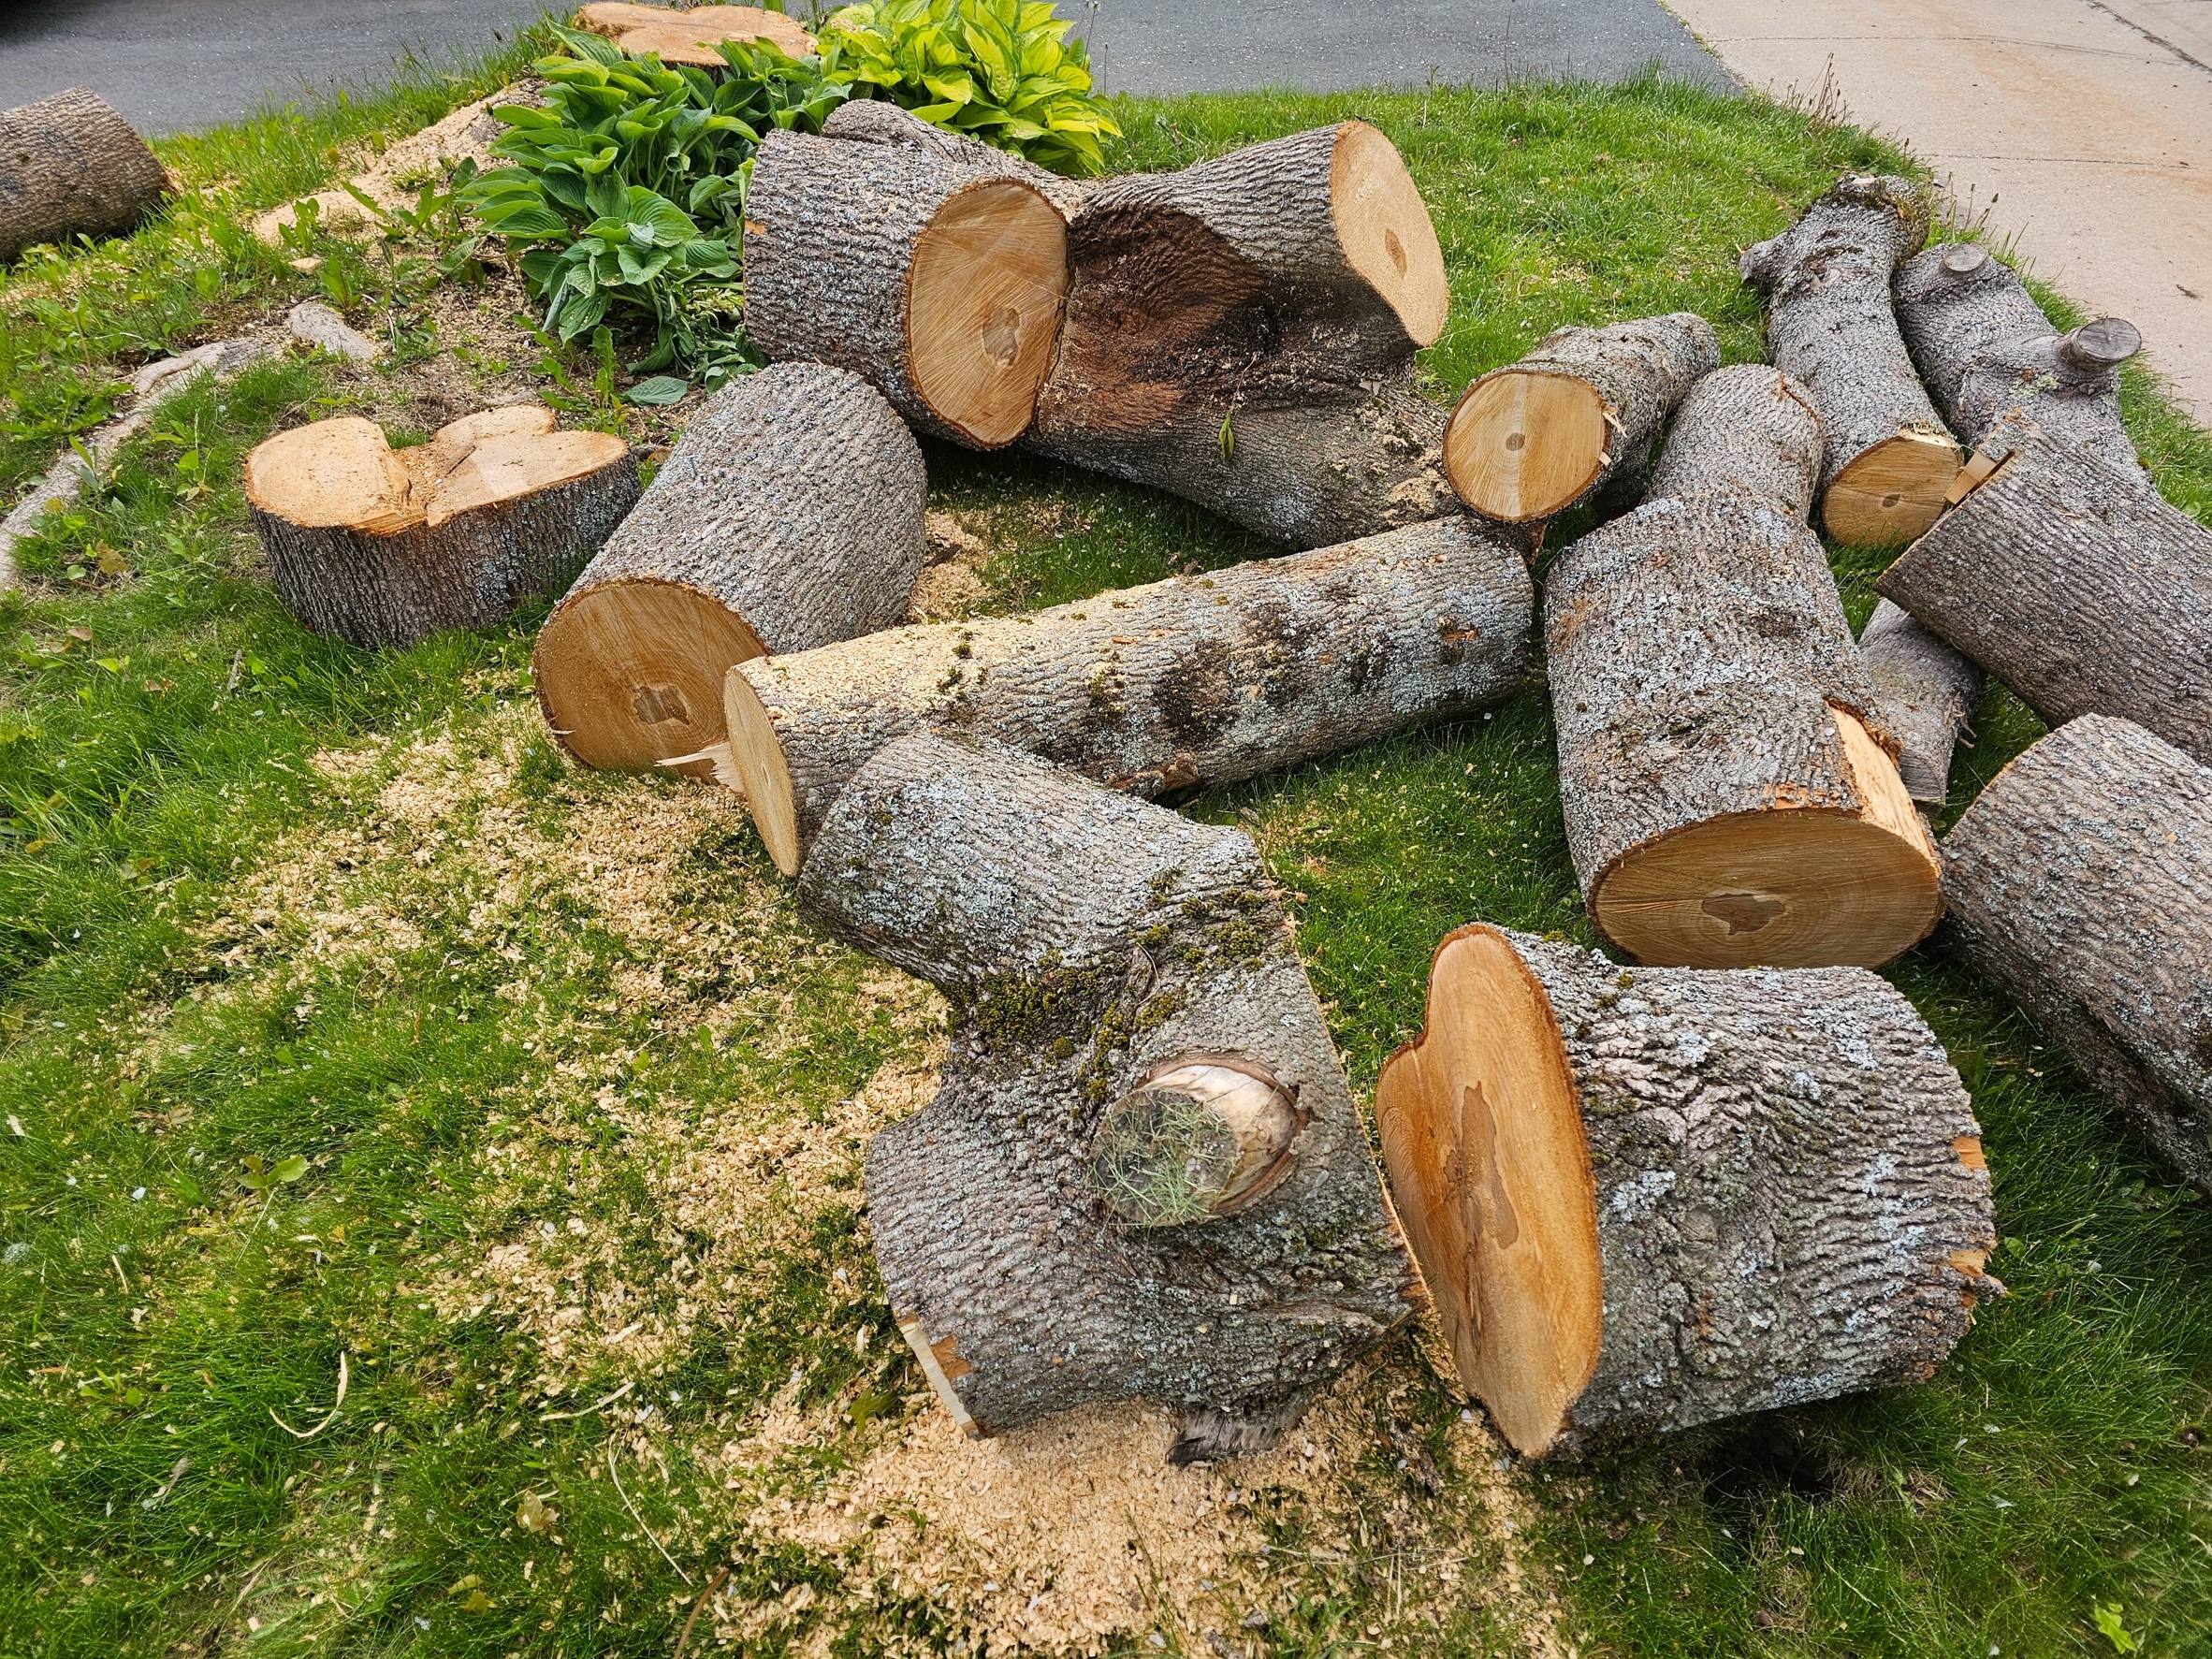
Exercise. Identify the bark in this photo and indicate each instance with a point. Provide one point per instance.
(70, 166)
(1091, 944)
(874, 121)
(1925, 694)
(2081, 881)
(1222, 344)
(1776, 1183)
(1194, 681)
(1830, 327)
(1983, 348)
(2074, 584)
(1748, 433)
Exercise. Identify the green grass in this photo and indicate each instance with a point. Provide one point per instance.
(545, 1041)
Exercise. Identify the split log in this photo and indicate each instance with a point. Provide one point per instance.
(1241, 334)
(1142, 1176)
(1538, 437)
(1727, 799)
(2081, 881)
(2073, 583)
(1194, 681)
(1985, 349)
(384, 547)
(1830, 324)
(789, 515)
(70, 166)
(690, 37)
(1651, 1199)
(1925, 694)
(938, 278)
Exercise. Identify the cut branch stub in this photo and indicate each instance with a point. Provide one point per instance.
(938, 278)
(789, 515)
(1925, 694)
(70, 166)
(2081, 881)
(384, 547)
(1142, 1176)
(1831, 325)
(1194, 681)
(690, 37)
(1644, 1200)
(1533, 439)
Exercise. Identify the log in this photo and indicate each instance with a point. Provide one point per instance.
(690, 37)
(1831, 325)
(1983, 349)
(789, 515)
(1729, 798)
(1241, 334)
(2081, 882)
(70, 166)
(386, 547)
(1645, 1199)
(1190, 681)
(2073, 583)
(1142, 1176)
(937, 278)
(1536, 438)
(1925, 694)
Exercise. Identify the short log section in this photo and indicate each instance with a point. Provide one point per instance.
(70, 166)
(691, 37)
(789, 515)
(1142, 1176)
(1194, 681)
(2081, 882)
(1830, 327)
(384, 547)
(1645, 1199)
(2073, 582)
(1925, 695)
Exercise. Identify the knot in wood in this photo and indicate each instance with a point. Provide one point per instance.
(1204, 1136)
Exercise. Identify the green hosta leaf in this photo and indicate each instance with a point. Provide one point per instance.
(661, 388)
(527, 219)
(670, 223)
(950, 88)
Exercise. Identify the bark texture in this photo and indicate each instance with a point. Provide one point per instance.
(1086, 939)
(2081, 881)
(1925, 694)
(2076, 585)
(1194, 681)
(70, 166)
(1983, 349)
(874, 120)
(1746, 433)
(1219, 345)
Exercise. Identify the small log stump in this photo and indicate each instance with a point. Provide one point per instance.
(70, 166)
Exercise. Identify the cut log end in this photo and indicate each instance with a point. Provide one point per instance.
(757, 755)
(631, 674)
(989, 279)
(2100, 347)
(1203, 1137)
(1965, 259)
(1523, 445)
(1781, 888)
(1385, 230)
(1486, 1152)
(1893, 492)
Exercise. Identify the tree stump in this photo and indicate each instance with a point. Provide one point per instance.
(1241, 334)
(1142, 1176)
(70, 166)
(690, 37)
(1983, 349)
(1829, 325)
(384, 547)
(1925, 694)
(1648, 1198)
(1194, 681)
(1726, 801)
(2073, 583)
(789, 515)
(2081, 881)
(1536, 438)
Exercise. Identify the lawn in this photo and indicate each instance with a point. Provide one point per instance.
(355, 1039)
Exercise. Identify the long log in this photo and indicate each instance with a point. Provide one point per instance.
(2081, 881)
(70, 166)
(1142, 1176)
(1729, 799)
(789, 515)
(1983, 349)
(2073, 583)
(1584, 411)
(1193, 680)
(1925, 694)
(1644, 1200)
(386, 547)
(690, 37)
(1831, 325)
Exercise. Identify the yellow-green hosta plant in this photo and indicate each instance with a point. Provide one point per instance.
(1003, 71)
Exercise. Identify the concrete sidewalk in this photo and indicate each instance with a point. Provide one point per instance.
(2084, 128)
